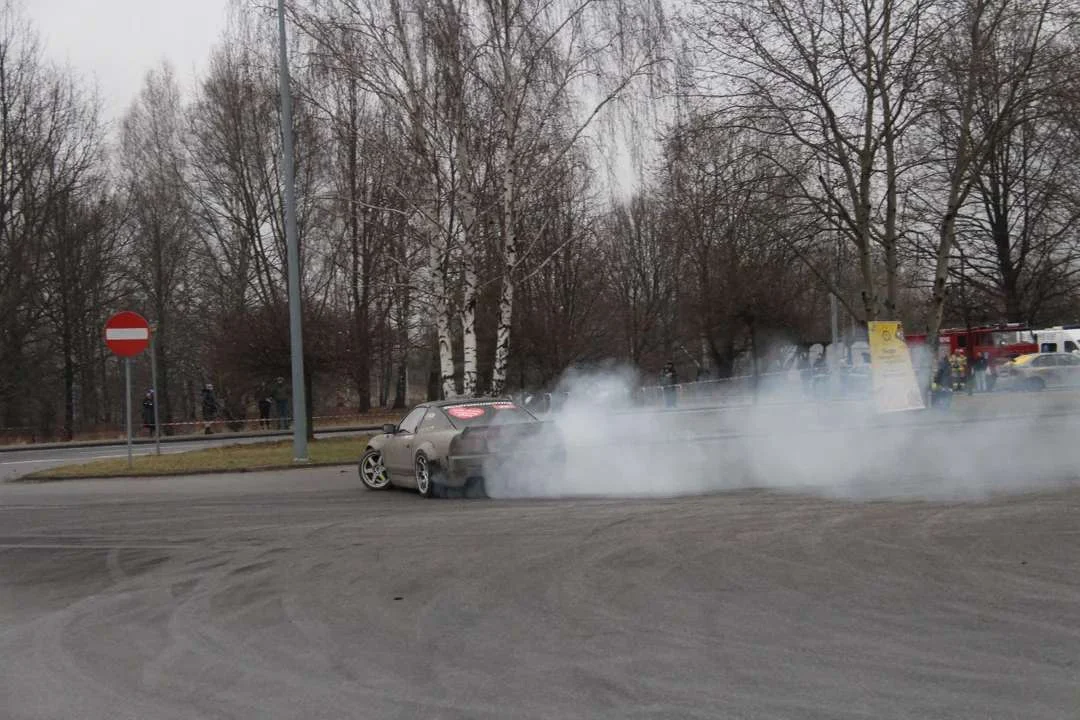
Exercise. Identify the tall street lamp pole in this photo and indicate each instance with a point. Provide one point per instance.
(296, 337)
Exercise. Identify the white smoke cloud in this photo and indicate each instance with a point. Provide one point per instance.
(1000, 443)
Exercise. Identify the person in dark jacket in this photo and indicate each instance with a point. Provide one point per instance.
(979, 368)
(669, 381)
(266, 404)
(281, 399)
(941, 389)
(209, 407)
(148, 412)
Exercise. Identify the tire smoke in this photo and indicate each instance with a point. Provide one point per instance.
(615, 447)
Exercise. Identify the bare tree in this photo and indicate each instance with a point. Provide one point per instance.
(391, 52)
(566, 304)
(726, 213)
(1017, 237)
(644, 268)
(160, 228)
(843, 80)
(537, 64)
(81, 280)
(455, 70)
(231, 150)
(1003, 59)
(49, 145)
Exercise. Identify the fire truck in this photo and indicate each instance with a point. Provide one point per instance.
(1001, 342)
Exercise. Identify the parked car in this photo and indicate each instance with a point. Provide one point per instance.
(1036, 371)
(453, 444)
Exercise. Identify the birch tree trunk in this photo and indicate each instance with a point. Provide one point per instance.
(506, 294)
(468, 319)
(438, 268)
(468, 240)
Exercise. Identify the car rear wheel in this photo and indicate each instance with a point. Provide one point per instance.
(372, 471)
(1036, 384)
(475, 488)
(429, 481)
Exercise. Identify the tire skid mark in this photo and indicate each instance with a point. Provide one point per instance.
(746, 605)
(60, 679)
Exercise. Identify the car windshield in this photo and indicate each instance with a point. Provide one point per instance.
(487, 413)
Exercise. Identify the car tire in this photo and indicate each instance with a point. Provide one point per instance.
(428, 477)
(1036, 384)
(475, 488)
(373, 471)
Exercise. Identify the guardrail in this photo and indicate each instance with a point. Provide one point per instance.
(195, 430)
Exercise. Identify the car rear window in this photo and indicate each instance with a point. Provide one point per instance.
(491, 413)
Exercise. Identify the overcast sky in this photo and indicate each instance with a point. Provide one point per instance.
(117, 41)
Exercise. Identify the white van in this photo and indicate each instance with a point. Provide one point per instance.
(1062, 338)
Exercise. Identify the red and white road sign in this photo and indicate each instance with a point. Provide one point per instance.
(127, 333)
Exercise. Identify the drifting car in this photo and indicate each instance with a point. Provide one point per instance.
(453, 444)
(1037, 371)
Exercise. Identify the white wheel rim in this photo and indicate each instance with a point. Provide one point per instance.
(374, 471)
(423, 480)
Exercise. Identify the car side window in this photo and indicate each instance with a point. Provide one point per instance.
(434, 421)
(1070, 346)
(1044, 361)
(1070, 360)
(408, 425)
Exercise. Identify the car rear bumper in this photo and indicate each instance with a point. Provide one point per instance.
(464, 468)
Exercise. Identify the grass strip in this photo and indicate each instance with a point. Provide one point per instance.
(228, 458)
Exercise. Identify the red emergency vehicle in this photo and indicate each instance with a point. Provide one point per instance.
(1002, 342)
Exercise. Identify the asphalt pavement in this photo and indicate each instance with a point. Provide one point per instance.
(300, 595)
(814, 566)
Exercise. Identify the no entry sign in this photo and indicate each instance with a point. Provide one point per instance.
(127, 333)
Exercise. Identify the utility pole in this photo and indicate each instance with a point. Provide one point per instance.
(296, 335)
(833, 356)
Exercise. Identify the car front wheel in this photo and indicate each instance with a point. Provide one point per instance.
(373, 471)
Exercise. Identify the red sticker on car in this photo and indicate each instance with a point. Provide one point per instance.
(464, 412)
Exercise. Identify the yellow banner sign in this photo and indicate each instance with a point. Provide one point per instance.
(894, 384)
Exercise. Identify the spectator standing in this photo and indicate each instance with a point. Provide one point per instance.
(669, 381)
(148, 412)
(209, 407)
(941, 389)
(982, 367)
(820, 375)
(280, 394)
(266, 404)
(806, 372)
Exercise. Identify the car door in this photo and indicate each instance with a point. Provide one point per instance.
(398, 453)
(1070, 370)
(1045, 369)
(435, 434)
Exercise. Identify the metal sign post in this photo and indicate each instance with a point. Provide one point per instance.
(153, 375)
(127, 334)
(127, 399)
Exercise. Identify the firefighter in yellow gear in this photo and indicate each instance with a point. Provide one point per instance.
(959, 366)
